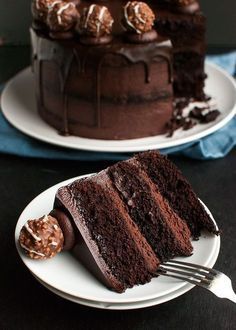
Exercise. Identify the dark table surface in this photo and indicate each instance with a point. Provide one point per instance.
(26, 304)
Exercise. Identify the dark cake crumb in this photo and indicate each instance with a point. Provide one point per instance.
(210, 116)
(188, 124)
(208, 98)
(198, 115)
(204, 115)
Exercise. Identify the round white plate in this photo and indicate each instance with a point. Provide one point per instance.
(19, 107)
(134, 305)
(66, 274)
(116, 306)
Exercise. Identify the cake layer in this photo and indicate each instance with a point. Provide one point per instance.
(140, 122)
(101, 91)
(120, 251)
(183, 29)
(189, 74)
(167, 234)
(177, 191)
(187, 33)
(179, 6)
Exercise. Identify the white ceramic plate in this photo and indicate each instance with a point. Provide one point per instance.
(66, 274)
(117, 306)
(134, 305)
(19, 107)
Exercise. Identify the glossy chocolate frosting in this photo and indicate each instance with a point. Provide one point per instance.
(74, 97)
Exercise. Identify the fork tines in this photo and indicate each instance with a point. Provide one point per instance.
(210, 279)
(195, 274)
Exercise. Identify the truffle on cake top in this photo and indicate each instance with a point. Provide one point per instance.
(138, 17)
(40, 9)
(138, 20)
(62, 16)
(95, 22)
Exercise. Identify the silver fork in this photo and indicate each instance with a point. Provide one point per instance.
(207, 278)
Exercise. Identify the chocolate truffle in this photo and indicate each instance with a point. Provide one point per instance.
(138, 17)
(41, 238)
(63, 16)
(40, 9)
(96, 21)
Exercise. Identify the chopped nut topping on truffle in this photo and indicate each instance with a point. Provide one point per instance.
(41, 238)
(62, 16)
(138, 17)
(96, 21)
(40, 9)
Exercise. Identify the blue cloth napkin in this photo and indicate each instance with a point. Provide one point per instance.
(212, 146)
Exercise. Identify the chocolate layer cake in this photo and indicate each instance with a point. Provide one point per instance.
(131, 216)
(106, 73)
(105, 67)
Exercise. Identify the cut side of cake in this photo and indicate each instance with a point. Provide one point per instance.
(177, 191)
(167, 234)
(186, 29)
(119, 249)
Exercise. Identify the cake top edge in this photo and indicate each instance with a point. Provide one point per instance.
(97, 23)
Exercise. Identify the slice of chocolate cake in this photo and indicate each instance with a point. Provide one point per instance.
(119, 249)
(129, 216)
(177, 191)
(167, 234)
